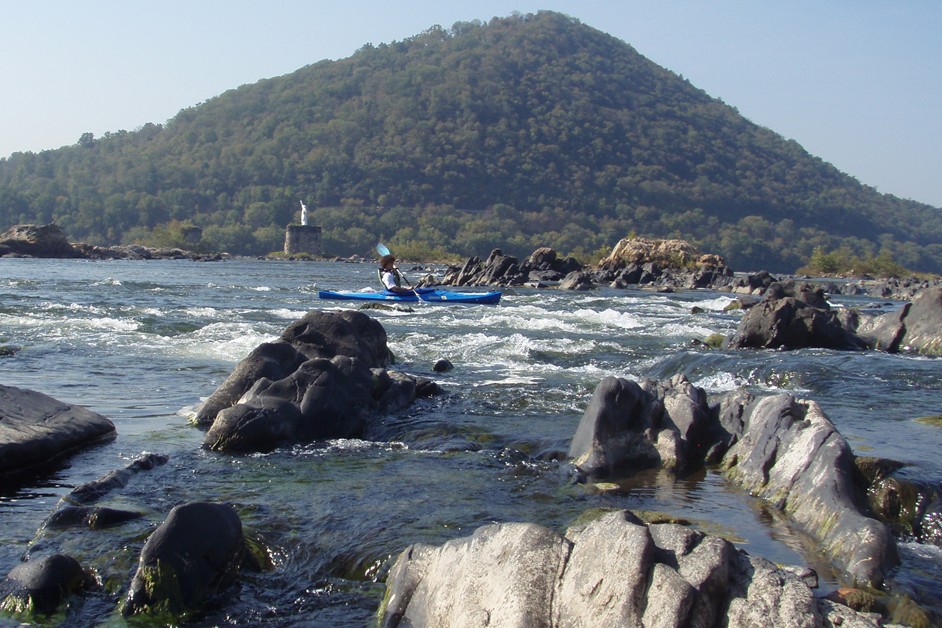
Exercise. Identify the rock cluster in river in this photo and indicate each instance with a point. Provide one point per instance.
(663, 264)
(794, 315)
(613, 571)
(322, 379)
(49, 241)
(779, 448)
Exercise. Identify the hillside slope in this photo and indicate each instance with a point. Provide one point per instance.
(524, 131)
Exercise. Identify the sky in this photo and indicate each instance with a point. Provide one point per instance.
(857, 83)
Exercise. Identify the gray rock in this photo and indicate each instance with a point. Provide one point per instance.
(792, 316)
(577, 280)
(633, 426)
(614, 571)
(504, 574)
(322, 379)
(36, 429)
(780, 449)
(792, 456)
(915, 328)
(37, 241)
(317, 335)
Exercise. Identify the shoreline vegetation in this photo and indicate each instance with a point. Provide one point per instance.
(660, 262)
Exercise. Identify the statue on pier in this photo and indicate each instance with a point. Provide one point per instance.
(303, 214)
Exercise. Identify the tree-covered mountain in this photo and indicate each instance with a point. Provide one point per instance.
(525, 131)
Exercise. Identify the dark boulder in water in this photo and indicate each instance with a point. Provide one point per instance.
(793, 316)
(41, 585)
(195, 554)
(506, 270)
(322, 379)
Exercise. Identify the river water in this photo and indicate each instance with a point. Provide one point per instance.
(143, 342)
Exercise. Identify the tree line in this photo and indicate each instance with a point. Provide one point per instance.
(526, 131)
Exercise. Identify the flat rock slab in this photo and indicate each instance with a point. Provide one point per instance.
(36, 429)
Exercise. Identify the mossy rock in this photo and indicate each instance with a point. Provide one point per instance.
(591, 515)
(934, 421)
(652, 517)
(714, 341)
(873, 469)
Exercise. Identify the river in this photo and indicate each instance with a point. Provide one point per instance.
(143, 342)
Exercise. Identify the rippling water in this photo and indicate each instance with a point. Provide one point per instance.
(144, 342)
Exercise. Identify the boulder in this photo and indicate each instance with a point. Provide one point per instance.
(322, 379)
(792, 316)
(41, 585)
(193, 555)
(792, 456)
(36, 429)
(778, 448)
(633, 426)
(316, 335)
(321, 399)
(36, 241)
(914, 328)
(613, 571)
(577, 280)
(506, 270)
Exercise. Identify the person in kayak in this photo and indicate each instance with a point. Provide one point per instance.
(390, 275)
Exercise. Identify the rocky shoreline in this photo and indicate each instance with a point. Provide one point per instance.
(657, 265)
(49, 241)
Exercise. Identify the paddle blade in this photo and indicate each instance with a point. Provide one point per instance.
(381, 249)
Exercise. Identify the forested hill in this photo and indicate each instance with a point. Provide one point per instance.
(524, 131)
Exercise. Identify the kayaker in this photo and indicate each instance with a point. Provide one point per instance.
(390, 275)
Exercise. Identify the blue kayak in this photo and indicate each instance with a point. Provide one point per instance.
(430, 295)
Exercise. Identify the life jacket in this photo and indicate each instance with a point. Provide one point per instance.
(397, 277)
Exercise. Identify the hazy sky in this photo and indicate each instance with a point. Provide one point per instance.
(858, 83)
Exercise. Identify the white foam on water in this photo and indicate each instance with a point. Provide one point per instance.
(718, 304)
(575, 321)
(682, 330)
(725, 381)
(204, 312)
(223, 341)
(284, 313)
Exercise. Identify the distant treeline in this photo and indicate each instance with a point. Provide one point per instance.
(526, 131)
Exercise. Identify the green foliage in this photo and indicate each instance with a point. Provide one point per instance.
(528, 131)
(844, 262)
(419, 251)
